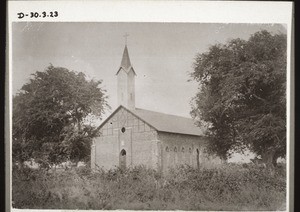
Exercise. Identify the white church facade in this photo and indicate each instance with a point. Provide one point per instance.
(132, 136)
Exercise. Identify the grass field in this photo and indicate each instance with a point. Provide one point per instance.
(226, 187)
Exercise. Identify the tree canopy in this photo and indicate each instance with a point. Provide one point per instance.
(242, 95)
(49, 115)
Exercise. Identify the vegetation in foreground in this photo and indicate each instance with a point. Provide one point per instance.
(226, 187)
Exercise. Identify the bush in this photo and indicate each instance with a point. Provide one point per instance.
(227, 187)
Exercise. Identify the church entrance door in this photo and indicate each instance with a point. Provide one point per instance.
(122, 159)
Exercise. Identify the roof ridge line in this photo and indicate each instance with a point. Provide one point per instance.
(164, 113)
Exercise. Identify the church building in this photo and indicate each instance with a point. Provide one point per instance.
(132, 136)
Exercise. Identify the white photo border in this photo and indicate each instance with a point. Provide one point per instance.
(262, 12)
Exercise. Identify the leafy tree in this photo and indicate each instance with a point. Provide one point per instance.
(49, 116)
(242, 96)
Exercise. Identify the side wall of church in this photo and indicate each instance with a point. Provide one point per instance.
(180, 149)
(139, 140)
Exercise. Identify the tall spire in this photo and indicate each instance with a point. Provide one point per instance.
(126, 82)
(125, 63)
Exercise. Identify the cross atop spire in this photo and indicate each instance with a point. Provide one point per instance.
(125, 36)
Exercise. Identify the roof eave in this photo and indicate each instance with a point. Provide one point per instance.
(118, 108)
(115, 111)
(130, 68)
(191, 134)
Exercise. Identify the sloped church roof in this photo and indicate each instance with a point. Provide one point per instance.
(163, 122)
(169, 123)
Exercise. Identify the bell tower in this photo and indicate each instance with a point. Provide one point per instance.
(126, 82)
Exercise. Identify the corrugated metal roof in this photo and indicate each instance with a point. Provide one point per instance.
(169, 123)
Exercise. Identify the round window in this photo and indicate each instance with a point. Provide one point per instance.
(123, 129)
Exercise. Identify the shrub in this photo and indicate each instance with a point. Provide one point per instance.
(224, 187)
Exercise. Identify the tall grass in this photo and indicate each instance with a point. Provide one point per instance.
(227, 187)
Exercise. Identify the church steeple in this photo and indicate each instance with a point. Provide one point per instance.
(125, 63)
(126, 82)
(125, 59)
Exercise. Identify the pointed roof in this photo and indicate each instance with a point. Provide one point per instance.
(125, 59)
(164, 122)
(125, 63)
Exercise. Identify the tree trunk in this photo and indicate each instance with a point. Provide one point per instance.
(269, 158)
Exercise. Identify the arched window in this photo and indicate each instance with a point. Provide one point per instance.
(175, 149)
(122, 159)
(190, 150)
(182, 149)
(123, 152)
(167, 149)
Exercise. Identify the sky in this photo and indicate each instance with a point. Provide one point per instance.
(162, 55)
